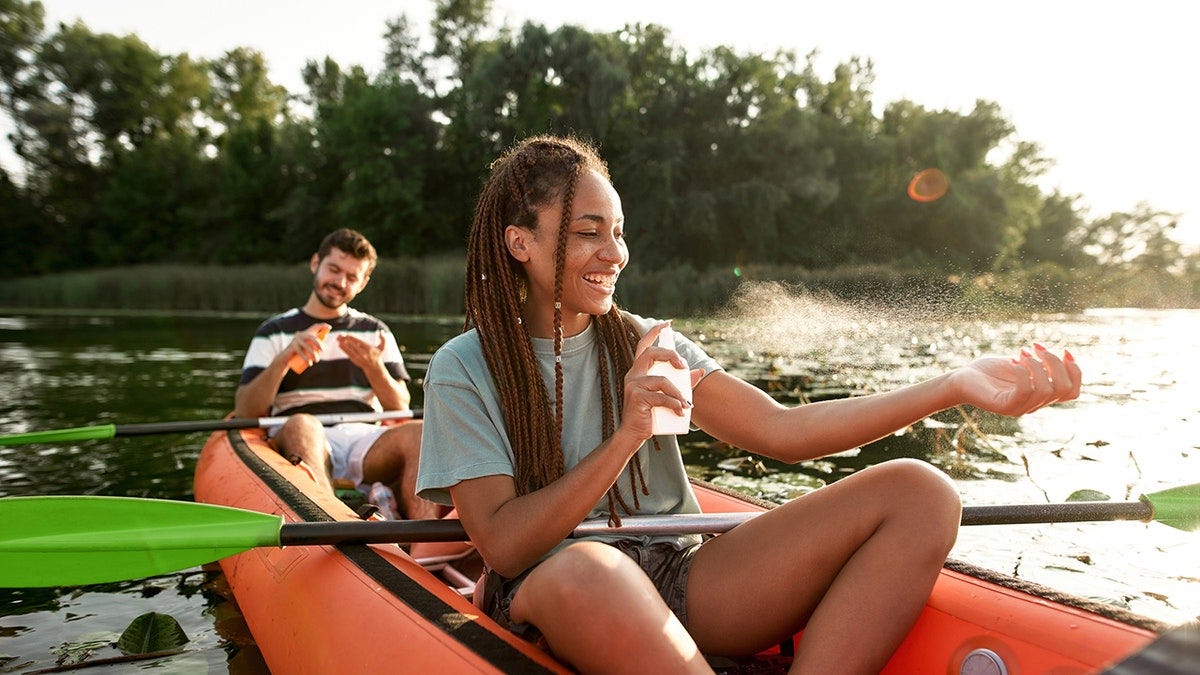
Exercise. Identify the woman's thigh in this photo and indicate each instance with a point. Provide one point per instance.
(760, 582)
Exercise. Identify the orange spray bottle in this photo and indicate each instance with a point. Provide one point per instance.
(297, 363)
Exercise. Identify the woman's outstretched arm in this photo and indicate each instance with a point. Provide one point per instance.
(740, 414)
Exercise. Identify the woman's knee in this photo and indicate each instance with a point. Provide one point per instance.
(605, 568)
(919, 481)
(924, 493)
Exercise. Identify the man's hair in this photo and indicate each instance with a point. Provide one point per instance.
(534, 174)
(352, 243)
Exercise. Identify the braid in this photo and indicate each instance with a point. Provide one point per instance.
(495, 290)
(620, 342)
(560, 254)
(533, 174)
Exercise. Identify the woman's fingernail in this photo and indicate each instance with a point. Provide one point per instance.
(1025, 353)
(1016, 361)
(1037, 346)
(1067, 356)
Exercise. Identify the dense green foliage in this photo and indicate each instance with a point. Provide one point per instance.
(723, 160)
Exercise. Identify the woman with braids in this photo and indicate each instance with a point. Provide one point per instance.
(539, 416)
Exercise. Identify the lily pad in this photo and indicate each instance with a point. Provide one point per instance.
(1087, 495)
(152, 632)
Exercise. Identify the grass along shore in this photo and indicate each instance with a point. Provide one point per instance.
(434, 286)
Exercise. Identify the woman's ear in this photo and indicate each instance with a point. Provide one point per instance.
(517, 241)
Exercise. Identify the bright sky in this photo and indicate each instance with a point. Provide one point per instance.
(1106, 89)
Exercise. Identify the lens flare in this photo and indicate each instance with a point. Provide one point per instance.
(928, 185)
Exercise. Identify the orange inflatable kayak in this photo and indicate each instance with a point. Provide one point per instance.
(379, 608)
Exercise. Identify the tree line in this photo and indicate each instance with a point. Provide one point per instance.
(722, 158)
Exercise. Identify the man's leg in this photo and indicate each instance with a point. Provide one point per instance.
(392, 460)
(302, 438)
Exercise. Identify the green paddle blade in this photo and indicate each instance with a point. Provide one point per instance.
(70, 541)
(59, 435)
(1178, 507)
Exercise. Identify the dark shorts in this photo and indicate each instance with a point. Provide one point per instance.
(666, 566)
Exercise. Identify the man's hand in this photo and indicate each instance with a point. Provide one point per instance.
(363, 354)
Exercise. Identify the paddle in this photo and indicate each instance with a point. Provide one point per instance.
(113, 430)
(69, 541)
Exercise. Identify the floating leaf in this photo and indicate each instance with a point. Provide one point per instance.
(1086, 495)
(152, 632)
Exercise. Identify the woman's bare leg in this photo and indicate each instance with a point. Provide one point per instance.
(599, 612)
(853, 563)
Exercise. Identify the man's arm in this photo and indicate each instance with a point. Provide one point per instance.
(392, 393)
(253, 399)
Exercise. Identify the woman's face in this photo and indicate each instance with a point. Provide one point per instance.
(595, 255)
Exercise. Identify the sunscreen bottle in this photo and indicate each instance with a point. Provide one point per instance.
(663, 419)
(297, 362)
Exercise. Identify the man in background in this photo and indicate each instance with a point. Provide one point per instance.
(290, 371)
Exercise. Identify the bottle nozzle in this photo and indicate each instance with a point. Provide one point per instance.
(667, 338)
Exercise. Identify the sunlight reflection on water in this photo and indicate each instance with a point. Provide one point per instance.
(1132, 430)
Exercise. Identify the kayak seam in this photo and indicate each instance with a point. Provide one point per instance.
(465, 629)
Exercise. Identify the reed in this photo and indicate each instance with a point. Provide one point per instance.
(405, 286)
(434, 287)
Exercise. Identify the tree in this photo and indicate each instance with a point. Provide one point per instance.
(1138, 239)
(378, 143)
(1057, 234)
(23, 227)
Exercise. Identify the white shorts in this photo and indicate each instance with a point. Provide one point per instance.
(347, 445)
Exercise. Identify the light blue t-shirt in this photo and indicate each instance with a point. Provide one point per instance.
(464, 435)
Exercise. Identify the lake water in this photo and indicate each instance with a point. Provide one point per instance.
(1133, 430)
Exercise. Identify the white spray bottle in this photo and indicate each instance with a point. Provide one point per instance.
(663, 419)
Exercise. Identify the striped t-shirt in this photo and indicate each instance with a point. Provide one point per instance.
(333, 384)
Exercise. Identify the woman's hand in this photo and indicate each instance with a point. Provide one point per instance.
(1020, 385)
(644, 391)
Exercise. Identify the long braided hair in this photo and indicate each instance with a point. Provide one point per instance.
(531, 175)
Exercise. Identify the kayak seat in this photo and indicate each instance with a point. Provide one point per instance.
(455, 562)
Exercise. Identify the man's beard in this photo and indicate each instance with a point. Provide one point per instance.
(335, 304)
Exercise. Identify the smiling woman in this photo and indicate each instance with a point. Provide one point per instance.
(541, 414)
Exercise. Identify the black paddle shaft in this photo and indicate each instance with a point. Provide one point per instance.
(1068, 512)
(151, 428)
(211, 425)
(370, 532)
(409, 531)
